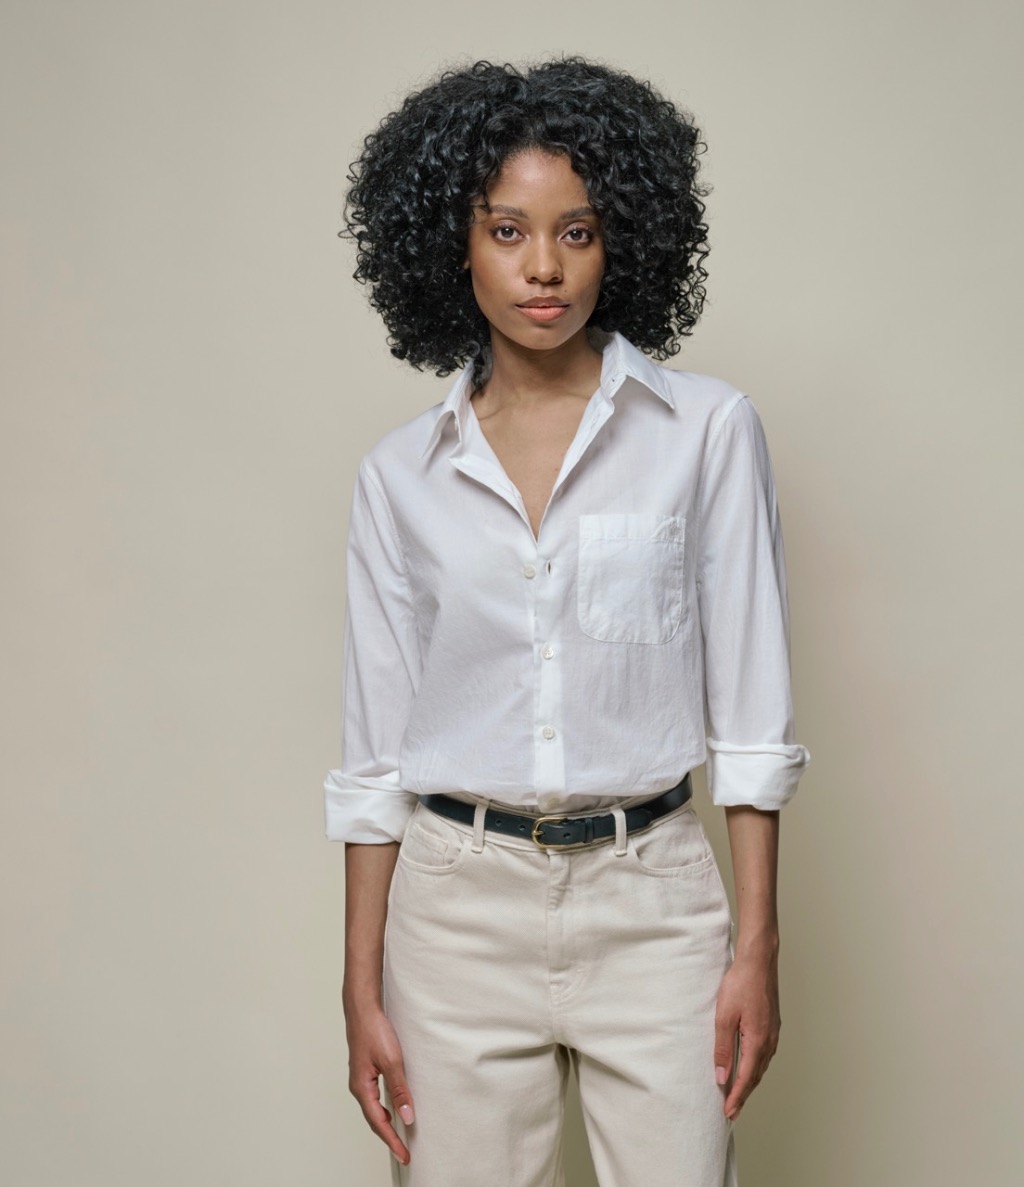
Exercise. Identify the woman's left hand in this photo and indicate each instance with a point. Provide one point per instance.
(748, 1004)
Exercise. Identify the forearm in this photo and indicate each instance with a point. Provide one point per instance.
(748, 1001)
(373, 1047)
(368, 872)
(754, 843)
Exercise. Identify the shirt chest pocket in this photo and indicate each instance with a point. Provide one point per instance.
(630, 582)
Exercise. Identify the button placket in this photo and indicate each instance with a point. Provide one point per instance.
(549, 754)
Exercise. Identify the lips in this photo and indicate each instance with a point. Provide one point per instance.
(543, 308)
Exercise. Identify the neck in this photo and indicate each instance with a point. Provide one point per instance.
(523, 376)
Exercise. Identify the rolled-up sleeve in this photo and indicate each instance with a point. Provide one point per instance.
(752, 754)
(364, 800)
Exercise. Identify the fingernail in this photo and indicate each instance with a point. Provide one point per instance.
(405, 1112)
(721, 1075)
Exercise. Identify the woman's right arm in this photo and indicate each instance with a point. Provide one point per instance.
(366, 804)
(372, 1044)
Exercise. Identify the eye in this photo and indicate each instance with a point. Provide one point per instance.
(579, 234)
(505, 233)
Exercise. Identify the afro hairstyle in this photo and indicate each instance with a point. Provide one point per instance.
(408, 207)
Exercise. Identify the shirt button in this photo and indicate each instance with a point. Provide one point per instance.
(529, 571)
(548, 652)
(548, 732)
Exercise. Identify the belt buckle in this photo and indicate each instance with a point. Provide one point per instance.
(536, 829)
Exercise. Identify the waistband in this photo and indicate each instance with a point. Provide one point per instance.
(563, 831)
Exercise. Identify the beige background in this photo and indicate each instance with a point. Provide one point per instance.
(189, 377)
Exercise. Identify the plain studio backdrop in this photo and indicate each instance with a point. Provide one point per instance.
(189, 379)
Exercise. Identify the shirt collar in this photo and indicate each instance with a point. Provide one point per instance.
(621, 360)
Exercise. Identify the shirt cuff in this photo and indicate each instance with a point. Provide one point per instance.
(764, 776)
(371, 812)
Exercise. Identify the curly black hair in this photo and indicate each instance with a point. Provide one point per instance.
(408, 206)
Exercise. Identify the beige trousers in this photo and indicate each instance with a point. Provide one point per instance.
(505, 964)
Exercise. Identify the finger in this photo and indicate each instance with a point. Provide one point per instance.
(751, 1067)
(398, 1089)
(725, 1045)
(367, 1093)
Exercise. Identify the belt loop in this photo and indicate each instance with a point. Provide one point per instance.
(478, 826)
(620, 832)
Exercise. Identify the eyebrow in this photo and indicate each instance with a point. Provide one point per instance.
(515, 212)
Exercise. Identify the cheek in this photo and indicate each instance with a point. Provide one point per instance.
(590, 271)
(593, 283)
(599, 268)
(482, 288)
(491, 277)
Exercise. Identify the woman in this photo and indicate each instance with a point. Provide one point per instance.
(566, 589)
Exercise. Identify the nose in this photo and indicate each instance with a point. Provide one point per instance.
(543, 265)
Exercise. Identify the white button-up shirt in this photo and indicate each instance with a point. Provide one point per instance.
(642, 631)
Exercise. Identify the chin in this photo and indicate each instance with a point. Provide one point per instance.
(541, 337)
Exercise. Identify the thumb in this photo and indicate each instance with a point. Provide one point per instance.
(725, 1047)
(398, 1090)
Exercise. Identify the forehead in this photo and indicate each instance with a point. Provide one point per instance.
(538, 180)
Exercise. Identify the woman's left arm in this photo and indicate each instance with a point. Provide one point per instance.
(754, 761)
(748, 1000)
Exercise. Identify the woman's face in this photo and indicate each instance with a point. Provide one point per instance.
(535, 252)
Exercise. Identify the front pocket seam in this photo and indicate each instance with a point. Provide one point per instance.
(670, 871)
(633, 539)
(422, 868)
(659, 642)
(677, 535)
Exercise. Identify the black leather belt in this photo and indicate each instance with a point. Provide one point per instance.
(560, 832)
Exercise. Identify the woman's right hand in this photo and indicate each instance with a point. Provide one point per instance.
(374, 1051)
